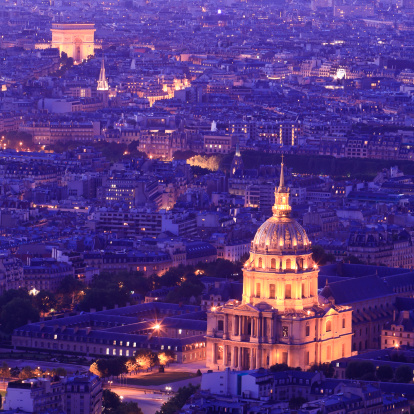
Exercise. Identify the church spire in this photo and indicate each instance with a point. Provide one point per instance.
(102, 81)
(281, 207)
(282, 176)
(237, 154)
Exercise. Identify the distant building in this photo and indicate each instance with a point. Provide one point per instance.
(75, 39)
(72, 395)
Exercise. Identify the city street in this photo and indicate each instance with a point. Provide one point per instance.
(148, 402)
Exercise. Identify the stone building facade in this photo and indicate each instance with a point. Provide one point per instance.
(280, 318)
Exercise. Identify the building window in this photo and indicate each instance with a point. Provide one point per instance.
(307, 358)
(285, 331)
(257, 290)
(343, 323)
(272, 291)
(328, 326)
(343, 350)
(220, 325)
(288, 291)
(260, 263)
(307, 329)
(273, 263)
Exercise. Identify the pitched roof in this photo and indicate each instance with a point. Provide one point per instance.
(356, 290)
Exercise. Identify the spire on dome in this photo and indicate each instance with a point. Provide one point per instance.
(281, 207)
(282, 176)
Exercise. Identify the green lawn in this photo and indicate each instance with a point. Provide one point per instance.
(160, 378)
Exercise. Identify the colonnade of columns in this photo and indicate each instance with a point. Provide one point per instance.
(238, 357)
(252, 326)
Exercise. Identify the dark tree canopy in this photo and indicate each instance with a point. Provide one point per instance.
(16, 313)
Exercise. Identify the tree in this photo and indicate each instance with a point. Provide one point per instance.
(129, 407)
(283, 367)
(146, 359)
(109, 367)
(296, 402)
(403, 374)
(165, 357)
(357, 369)
(176, 402)
(26, 373)
(45, 301)
(385, 373)
(5, 371)
(70, 285)
(16, 313)
(59, 372)
(110, 402)
(94, 369)
(131, 365)
(327, 369)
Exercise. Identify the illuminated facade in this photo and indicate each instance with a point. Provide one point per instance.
(76, 40)
(280, 319)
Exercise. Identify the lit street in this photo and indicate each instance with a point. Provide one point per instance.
(148, 402)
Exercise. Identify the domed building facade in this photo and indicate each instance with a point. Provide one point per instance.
(280, 319)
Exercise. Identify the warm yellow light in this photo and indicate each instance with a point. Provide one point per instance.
(157, 326)
(213, 308)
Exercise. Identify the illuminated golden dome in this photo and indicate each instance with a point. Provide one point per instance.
(280, 233)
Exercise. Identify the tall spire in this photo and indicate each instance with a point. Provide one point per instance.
(282, 176)
(281, 207)
(102, 81)
(237, 154)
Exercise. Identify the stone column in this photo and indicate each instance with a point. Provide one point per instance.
(240, 366)
(272, 330)
(240, 324)
(226, 326)
(236, 357)
(214, 352)
(252, 361)
(232, 350)
(235, 324)
(253, 327)
(258, 359)
(260, 334)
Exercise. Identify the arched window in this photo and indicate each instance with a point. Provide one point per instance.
(328, 326)
(343, 323)
(260, 263)
(273, 263)
(288, 264)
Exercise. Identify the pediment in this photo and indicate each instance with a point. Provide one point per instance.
(331, 311)
(246, 307)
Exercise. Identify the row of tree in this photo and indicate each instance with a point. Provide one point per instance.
(28, 372)
(144, 359)
(366, 371)
(108, 289)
